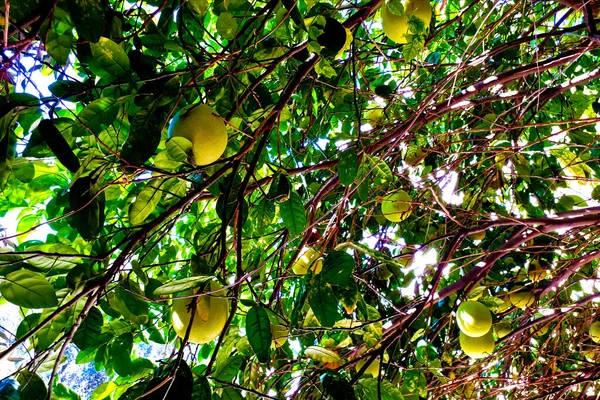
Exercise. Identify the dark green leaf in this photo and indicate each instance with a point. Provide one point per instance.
(58, 145)
(337, 268)
(348, 166)
(143, 138)
(88, 333)
(87, 204)
(120, 354)
(323, 302)
(228, 369)
(58, 46)
(368, 388)
(339, 388)
(88, 16)
(293, 214)
(32, 387)
(258, 330)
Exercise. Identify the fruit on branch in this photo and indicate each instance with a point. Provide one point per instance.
(477, 347)
(504, 306)
(536, 271)
(595, 331)
(414, 155)
(308, 260)
(211, 315)
(201, 125)
(279, 334)
(473, 318)
(396, 27)
(477, 235)
(396, 206)
(522, 299)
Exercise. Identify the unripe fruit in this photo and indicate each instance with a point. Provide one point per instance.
(396, 206)
(522, 299)
(207, 132)
(473, 318)
(210, 317)
(595, 331)
(477, 347)
(477, 235)
(502, 329)
(394, 26)
(308, 260)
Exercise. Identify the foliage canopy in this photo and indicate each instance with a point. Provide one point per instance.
(487, 118)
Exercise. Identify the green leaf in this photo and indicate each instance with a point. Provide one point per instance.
(59, 46)
(28, 289)
(293, 214)
(178, 148)
(323, 302)
(198, 7)
(231, 394)
(258, 330)
(347, 166)
(88, 333)
(368, 388)
(373, 175)
(27, 324)
(414, 47)
(202, 390)
(58, 145)
(339, 388)
(182, 285)
(23, 170)
(228, 369)
(61, 392)
(120, 354)
(103, 391)
(143, 139)
(50, 332)
(130, 305)
(32, 387)
(87, 205)
(8, 142)
(88, 16)
(324, 68)
(227, 25)
(337, 268)
(111, 57)
(146, 202)
(96, 116)
(262, 215)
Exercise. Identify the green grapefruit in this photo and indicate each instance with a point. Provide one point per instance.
(473, 318)
(477, 347)
(308, 260)
(396, 206)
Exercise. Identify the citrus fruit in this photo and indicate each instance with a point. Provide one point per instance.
(522, 299)
(595, 331)
(473, 318)
(537, 272)
(210, 317)
(279, 334)
(308, 260)
(207, 132)
(394, 26)
(396, 206)
(504, 306)
(477, 235)
(477, 347)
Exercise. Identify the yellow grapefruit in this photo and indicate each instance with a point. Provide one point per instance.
(210, 318)
(308, 260)
(396, 206)
(394, 26)
(201, 126)
(279, 334)
(473, 318)
(595, 331)
(522, 299)
(477, 347)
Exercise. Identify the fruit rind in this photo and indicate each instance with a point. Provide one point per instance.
(201, 125)
(595, 331)
(522, 299)
(308, 260)
(396, 206)
(473, 318)
(477, 347)
(211, 315)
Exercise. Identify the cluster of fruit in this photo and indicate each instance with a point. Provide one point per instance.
(475, 323)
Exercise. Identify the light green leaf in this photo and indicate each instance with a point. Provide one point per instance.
(28, 289)
(414, 47)
(111, 57)
(227, 25)
(145, 202)
(228, 369)
(368, 388)
(324, 68)
(104, 390)
(178, 148)
(181, 285)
